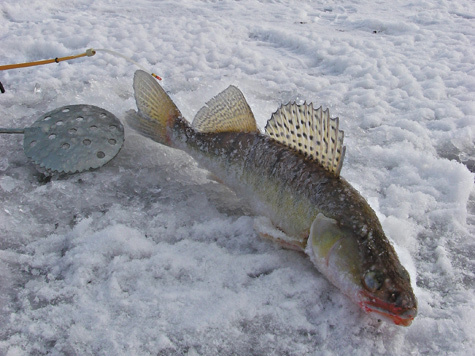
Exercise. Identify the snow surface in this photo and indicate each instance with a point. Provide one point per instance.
(149, 256)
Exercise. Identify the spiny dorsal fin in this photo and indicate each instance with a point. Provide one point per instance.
(311, 132)
(226, 112)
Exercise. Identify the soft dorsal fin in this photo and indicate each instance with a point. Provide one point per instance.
(311, 132)
(226, 112)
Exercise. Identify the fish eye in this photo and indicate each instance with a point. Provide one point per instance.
(373, 280)
(404, 273)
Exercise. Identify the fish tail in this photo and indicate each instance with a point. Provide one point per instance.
(157, 113)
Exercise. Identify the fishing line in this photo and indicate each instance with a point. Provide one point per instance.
(89, 53)
(128, 60)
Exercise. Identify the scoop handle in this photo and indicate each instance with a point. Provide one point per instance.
(11, 131)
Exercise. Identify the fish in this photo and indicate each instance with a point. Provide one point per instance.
(290, 176)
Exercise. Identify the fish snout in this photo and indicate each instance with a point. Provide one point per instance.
(399, 307)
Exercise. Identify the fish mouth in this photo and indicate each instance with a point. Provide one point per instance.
(398, 315)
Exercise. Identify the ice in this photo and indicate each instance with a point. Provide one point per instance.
(148, 255)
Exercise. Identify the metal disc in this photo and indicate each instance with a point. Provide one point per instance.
(74, 138)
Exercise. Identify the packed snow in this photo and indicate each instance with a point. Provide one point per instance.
(149, 255)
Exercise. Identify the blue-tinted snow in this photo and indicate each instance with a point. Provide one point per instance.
(149, 255)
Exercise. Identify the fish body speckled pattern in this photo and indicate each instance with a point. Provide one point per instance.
(290, 175)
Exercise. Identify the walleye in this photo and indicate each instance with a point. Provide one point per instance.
(291, 175)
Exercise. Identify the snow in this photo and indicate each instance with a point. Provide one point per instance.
(149, 255)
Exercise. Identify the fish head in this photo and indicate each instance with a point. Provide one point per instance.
(367, 271)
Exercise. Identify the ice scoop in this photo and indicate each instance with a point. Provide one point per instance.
(72, 139)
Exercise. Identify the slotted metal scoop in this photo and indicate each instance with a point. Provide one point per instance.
(72, 139)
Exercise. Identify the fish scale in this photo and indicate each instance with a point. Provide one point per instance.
(311, 207)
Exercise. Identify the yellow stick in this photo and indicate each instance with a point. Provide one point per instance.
(89, 52)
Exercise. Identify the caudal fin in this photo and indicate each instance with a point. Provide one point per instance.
(156, 111)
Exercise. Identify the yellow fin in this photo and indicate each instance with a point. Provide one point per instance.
(226, 112)
(311, 132)
(156, 111)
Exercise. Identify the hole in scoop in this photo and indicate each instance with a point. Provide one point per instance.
(65, 146)
(32, 143)
(72, 130)
(86, 141)
(112, 141)
(52, 136)
(101, 154)
(65, 110)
